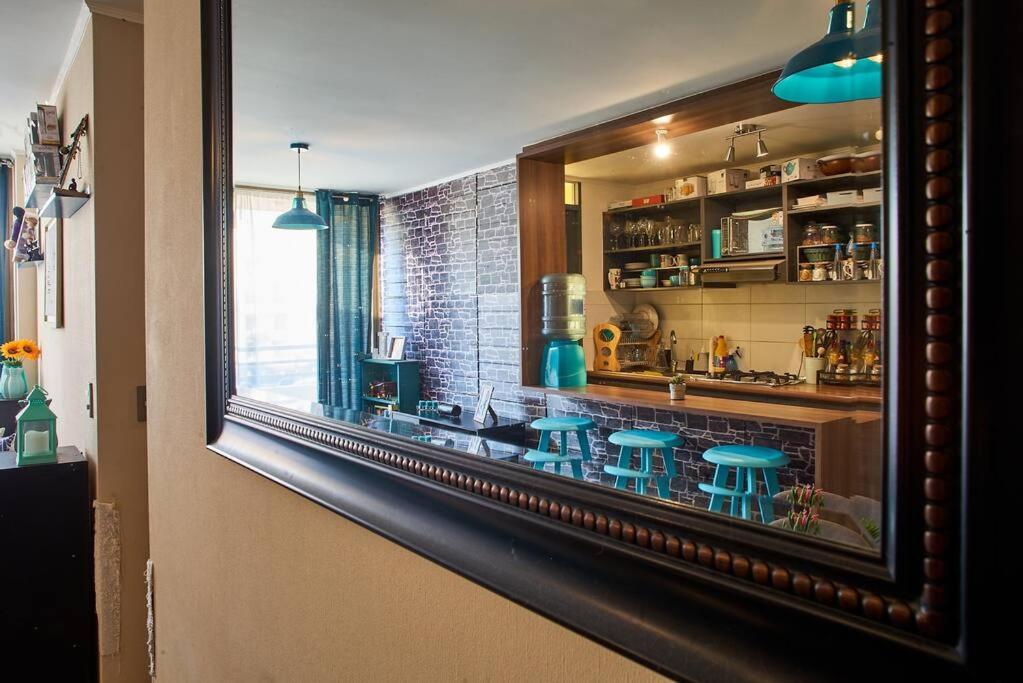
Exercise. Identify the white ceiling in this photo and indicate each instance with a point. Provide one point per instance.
(792, 132)
(29, 66)
(393, 94)
(34, 40)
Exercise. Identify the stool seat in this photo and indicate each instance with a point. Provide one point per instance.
(739, 455)
(563, 424)
(645, 438)
(539, 456)
(628, 472)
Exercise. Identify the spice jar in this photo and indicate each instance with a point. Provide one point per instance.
(805, 272)
(830, 234)
(865, 232)
(811, 235)
(820, 272)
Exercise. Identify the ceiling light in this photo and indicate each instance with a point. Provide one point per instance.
(761, 147)
(662, 149)
(299, 217)
(730, 154)
(830, 70)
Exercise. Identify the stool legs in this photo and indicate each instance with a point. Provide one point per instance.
(766, 502)
(624, 460)
(720, 479)
(584, 444)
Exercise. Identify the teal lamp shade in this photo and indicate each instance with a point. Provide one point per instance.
(829, 71)
(299, 218)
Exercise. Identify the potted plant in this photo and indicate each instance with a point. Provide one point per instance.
(13, 384)
(805, 503)
(677, 388)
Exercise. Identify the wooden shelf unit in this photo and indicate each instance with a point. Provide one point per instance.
(707, 211)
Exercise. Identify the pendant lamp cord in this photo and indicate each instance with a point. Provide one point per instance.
(299, 150)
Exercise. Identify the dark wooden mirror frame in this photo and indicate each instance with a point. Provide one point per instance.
(674, 589)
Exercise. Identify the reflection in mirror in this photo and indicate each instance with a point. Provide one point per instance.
(721, 347)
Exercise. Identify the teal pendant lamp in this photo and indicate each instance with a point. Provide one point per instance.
(840, 67)
(298, 217)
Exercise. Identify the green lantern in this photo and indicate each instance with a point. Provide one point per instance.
(37, 431)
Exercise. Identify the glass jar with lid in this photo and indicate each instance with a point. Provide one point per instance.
(811, 235)
(831, 234)
(865, 233)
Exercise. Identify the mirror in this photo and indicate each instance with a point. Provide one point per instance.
(722, 347)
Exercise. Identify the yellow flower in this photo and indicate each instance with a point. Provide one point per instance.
(29, 349)
(11, 349)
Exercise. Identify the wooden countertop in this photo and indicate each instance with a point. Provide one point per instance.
(777, 413)
(801, 393)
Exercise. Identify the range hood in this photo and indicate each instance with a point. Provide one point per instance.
(763, 270)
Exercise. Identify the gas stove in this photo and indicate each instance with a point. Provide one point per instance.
(768, 379)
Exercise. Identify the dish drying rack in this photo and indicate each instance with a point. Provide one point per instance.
(629, 341)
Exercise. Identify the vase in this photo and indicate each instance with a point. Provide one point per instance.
(677, 391)
(13, 384)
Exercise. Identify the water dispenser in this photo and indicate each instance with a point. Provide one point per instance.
(564, 324)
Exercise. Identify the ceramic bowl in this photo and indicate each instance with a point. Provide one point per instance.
(819, 254)
(835, 164)
(647, 282)
(867, 162)
(631, 281)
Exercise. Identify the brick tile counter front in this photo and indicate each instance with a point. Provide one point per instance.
(700, 432)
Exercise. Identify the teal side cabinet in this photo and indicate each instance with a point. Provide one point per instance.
(392, 383)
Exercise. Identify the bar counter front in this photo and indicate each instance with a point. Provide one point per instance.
(831, 435)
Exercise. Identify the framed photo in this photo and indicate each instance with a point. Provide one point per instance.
(53, 294)
(483, 407)
(397, 348)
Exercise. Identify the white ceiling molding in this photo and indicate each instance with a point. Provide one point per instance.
(448, 179)
(115, 11)
(77, 34)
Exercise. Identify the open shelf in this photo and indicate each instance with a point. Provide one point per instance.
(840, 181)
(746, 257)
(653, 289)
(824, 209)
(659, 247)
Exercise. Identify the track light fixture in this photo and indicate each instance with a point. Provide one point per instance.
(742, 130)
(662, 149)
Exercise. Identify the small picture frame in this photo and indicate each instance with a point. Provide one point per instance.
(396, 351)
(483, 407)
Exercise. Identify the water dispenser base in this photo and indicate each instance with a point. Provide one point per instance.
(564, 365)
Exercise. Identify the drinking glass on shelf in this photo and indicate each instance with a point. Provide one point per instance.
(651, 232)
(616, 230)
(664, 232)
(640, 237)
(629, 240)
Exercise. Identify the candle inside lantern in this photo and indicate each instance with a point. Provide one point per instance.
(37, 441)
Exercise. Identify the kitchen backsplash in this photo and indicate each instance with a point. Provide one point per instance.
(764, 320)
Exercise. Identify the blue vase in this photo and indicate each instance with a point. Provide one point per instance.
(13, 384)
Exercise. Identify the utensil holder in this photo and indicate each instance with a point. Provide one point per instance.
(812, 366)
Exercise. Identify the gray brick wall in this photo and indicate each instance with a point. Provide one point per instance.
(450, 285)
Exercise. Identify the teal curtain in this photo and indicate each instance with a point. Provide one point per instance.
(344, 307)
(5, 258)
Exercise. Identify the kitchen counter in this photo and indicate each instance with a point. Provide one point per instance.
(835, 445)
(805, 394)
(777, 413)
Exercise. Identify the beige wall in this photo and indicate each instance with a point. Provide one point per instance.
(102, 340)
(764, 320)
(253, 582)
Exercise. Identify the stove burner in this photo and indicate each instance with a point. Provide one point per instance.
(757, 377)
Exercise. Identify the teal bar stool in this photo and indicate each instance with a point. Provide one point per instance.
(647, 441)
(563, 426)
(746, 461)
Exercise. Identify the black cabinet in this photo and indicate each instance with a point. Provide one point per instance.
(47, 620)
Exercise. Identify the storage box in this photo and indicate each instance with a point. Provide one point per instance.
(800, 168)
(843, 197)
(762, 182)
(49, 132)
(690, 186)
(872, 194)
(652, 200)
(812, 200)
(624, 204)
(726, 180)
